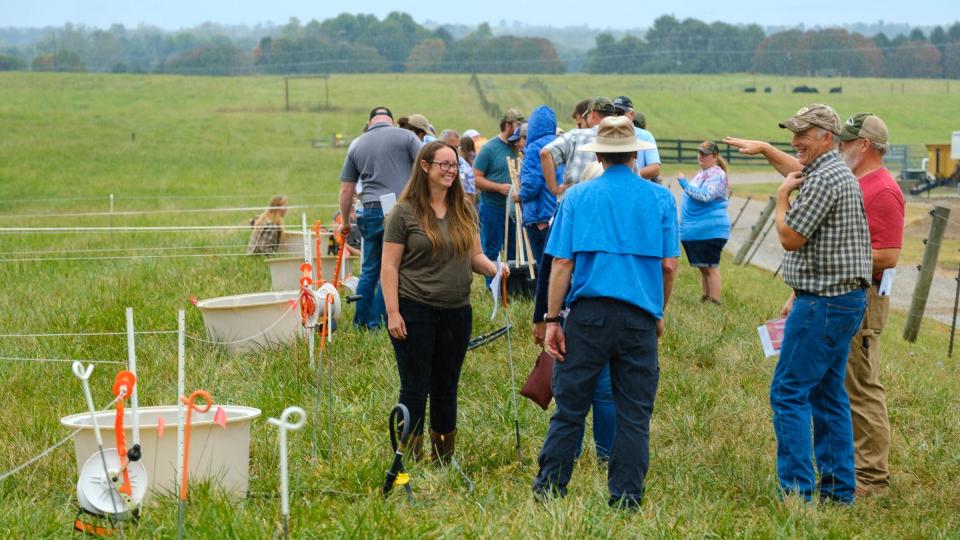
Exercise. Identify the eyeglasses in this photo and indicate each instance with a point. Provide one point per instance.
(446, 166)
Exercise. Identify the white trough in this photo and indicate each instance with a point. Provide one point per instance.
(292, 243)
(216, 454)
(252, 321)
(285, 271)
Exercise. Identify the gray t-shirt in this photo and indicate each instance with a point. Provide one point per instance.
(382, 158)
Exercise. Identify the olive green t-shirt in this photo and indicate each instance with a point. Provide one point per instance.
(440, 280)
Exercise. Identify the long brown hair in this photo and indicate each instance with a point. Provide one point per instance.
(274, 212)
(462, 220)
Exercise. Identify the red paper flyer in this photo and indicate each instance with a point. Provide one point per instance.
(771, 336)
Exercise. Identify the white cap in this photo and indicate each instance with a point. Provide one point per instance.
(471, 133)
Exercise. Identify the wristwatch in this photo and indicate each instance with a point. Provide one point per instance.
(548, 319)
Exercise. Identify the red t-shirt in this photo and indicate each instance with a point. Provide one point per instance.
(883, 202)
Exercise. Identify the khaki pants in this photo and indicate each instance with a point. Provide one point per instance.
(868, 405)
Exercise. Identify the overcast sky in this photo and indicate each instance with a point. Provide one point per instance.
(174, 14)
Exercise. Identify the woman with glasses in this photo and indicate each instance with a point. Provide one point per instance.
(431, 249)
(704, 224)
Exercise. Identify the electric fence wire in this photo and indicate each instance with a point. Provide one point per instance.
(87, 334)
(122, 229)
(52, 360)
(50, 449)
(159, 212)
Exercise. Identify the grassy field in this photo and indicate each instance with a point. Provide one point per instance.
(218, 142)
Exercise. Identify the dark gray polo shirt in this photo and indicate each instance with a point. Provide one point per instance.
(382, 158)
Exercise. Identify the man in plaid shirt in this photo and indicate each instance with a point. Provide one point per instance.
(828, 264)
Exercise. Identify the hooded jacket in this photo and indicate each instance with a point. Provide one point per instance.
(538, 203)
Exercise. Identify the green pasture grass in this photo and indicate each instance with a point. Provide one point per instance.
(714, 106)
(201, 140)
(712, 447)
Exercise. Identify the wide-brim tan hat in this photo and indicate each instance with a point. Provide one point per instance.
(615, 135)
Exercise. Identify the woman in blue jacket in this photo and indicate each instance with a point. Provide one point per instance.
(537, 202)
(704, 223)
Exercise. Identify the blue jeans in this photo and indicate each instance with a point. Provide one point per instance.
(491, 232)
(371, 311)
(603, 333)
(604, 417)
(808, 383)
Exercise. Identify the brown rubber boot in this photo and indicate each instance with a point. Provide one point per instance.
(415, 447)
(442, 446)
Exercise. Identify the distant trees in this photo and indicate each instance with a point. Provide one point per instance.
(823, 52)
(61, 60)
(11, 63)
(692, 46)
(363, 43)
(674, 46)
(219, 57)
(481, 52)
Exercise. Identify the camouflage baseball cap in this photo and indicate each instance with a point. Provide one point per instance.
(816, 114)
(603, 106)
(514, 115)
(865, 126)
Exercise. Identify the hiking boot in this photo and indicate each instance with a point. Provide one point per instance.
(442, 446)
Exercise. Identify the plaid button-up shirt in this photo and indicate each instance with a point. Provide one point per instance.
(564, 152)
(829, 212)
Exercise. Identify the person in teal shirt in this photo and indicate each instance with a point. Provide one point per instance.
(492, 179)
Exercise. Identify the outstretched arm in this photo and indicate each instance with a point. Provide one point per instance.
(783, 162)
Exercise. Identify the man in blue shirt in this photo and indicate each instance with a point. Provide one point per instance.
(648, 160)
(616, 274)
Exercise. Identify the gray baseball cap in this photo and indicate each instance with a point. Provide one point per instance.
(814, 115)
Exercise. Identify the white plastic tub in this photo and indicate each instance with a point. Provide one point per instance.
(285, 272)
(251, 321)
(216, 454)
(292, 243)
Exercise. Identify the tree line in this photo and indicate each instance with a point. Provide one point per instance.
(344, 44)
(692, 46)
(363, 44)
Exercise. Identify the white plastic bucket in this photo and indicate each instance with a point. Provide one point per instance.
(250, 321)
(292, 243)
(285, 272)
(216, 454)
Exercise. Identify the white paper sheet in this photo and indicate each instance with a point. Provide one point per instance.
(495, 285)
(387, 201)
(886, 282)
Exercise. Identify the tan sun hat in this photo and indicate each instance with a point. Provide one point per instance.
(420, 122)
(615, 135)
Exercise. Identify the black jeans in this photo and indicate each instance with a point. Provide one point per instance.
(429, 362)
(602, 332)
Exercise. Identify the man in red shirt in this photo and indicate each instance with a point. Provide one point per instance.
(863, 141)
(862, 145)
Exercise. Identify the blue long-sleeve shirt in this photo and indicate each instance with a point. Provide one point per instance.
(704, 205)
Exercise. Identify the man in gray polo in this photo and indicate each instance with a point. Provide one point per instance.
(381, 159)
